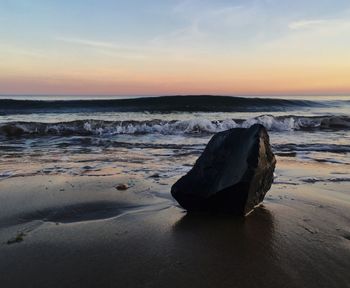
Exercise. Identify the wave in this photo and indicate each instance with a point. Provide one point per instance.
(292, 123)
(156, 126)
(313, 180)
(312, 147)
(201, 103)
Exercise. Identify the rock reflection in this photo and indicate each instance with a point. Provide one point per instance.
(229, 248)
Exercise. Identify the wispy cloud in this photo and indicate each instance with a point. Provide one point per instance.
(182, 37)
(313, 43)
(207, 25)
(338, 25)
(206, 14)
(106, 48)
(91, 43)
(305, 24)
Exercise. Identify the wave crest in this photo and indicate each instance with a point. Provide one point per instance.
(204, 103)
(156, 126)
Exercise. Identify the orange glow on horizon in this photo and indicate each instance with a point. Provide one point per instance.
(269, 82)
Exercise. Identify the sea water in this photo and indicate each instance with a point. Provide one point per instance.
(86, 136)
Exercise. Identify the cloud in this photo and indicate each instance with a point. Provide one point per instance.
(204, 27)
(22, 51)
(110, 49)
(331, 27)
(220, 15)
(312, 43)
(91, 43)
(305, 24)
(185, 37)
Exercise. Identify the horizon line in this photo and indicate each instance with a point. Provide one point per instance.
(176, 94)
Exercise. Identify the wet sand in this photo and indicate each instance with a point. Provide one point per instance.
(66, 231)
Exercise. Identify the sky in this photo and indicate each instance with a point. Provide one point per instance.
(163, 47)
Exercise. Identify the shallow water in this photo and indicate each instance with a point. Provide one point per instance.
(89, 138)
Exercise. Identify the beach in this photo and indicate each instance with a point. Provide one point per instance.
(83, 232)
(64, 223)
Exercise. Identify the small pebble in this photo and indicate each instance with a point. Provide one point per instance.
(122, 187)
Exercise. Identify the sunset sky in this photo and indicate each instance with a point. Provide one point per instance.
(162, 47)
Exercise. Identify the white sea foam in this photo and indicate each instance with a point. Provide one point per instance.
(173, 127)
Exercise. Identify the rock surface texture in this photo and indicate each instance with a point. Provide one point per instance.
(232, 175)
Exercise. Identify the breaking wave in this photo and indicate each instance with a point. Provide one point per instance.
(203, 103)
(156, 126)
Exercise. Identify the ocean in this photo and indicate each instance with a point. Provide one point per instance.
(163, 136)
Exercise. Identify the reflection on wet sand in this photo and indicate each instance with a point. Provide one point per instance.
(238, 251)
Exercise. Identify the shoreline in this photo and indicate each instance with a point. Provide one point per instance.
(81, 231)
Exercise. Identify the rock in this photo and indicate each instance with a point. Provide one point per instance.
(122, 187)
(232, 175)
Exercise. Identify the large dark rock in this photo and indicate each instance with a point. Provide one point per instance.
(232, 175)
